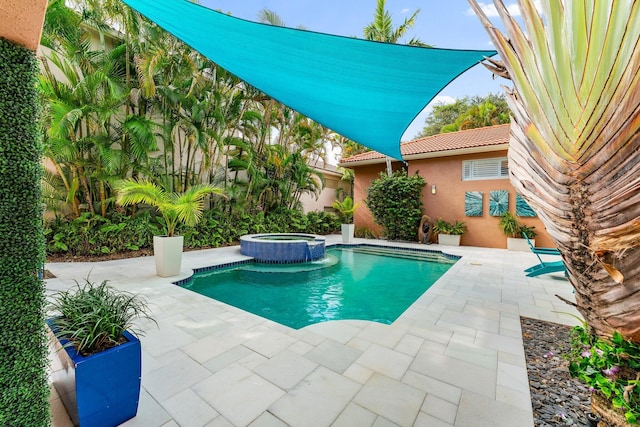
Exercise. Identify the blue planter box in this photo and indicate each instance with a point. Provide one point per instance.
(101, 390)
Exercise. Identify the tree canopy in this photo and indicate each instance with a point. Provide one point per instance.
(467, 113)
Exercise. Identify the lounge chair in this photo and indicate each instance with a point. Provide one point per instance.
(541, 251)
(545, 267)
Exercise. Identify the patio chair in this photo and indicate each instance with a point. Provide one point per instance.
(545, 267)
(541, 251)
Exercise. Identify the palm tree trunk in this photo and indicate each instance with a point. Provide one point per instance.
(87, 190)
(574, 152)
(566, 206)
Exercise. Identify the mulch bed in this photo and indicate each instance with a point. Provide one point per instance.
(556, 398)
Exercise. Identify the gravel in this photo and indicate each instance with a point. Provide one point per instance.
(556, 398)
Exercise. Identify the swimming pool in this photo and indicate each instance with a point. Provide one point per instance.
(367, 283)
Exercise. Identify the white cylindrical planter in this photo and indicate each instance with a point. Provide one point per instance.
(518, 244)
(167, 252)
(449, 239)
(347, 233)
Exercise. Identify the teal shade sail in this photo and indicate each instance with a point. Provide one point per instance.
(367, 91)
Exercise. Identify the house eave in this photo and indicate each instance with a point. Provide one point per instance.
(363, 162)
(458, 152)
(430, 155)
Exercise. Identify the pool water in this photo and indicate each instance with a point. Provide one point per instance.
(359, 283)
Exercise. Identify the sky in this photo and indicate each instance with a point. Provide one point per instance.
(441, 23)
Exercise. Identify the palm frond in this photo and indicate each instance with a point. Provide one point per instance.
(577, 76)
(131, 192)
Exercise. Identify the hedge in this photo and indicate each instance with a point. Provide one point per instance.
(24, 390)
(94, 235)
(396, 204)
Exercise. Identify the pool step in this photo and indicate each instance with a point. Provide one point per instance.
(420, 256)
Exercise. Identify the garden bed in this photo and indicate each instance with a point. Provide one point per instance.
(556, 398)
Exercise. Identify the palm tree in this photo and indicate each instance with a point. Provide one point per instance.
(574, 153)
(175, 208)
(381, 29)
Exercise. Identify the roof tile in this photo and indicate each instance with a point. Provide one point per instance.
(471, 138)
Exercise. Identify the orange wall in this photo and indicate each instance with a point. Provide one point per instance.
(448, 202)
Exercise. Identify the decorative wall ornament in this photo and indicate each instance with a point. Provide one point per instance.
(523, 208)
(473, 203)
(498, 202)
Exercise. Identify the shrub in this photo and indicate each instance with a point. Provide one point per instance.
(396, 204)
(609, 367)
(23, 349)
(92, 234)
(322, 223)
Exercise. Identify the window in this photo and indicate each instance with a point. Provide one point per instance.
(485, 169)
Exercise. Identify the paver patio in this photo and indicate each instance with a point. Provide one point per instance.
(454, 358)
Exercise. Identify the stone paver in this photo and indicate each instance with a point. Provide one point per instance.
(454, 358)
(395, 401)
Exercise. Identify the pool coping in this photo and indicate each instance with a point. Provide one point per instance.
(187, 280)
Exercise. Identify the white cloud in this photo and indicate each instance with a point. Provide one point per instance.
(513, 8)
(491, 11)
(442, 100)
(417, 124)
(405, 10)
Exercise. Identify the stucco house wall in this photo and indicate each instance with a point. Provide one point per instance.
(328, 195)
(445, 172)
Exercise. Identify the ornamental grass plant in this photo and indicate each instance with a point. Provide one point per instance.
(92, 317)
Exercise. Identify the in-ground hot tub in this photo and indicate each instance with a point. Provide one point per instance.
(283, 248)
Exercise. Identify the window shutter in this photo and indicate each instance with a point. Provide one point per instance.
(485, 169)
(467, 170)
(504, 168)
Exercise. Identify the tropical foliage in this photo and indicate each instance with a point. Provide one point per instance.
(141, 105)
(575, 137)
(94, 235)
(609, 367)
(185, 208)
(467, 113)
(346, 209)
(395, 202)
(381, 29)
(511, 227)
(455, 228)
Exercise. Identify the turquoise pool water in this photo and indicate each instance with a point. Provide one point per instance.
(351, 283)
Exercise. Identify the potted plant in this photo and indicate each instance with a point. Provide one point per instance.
(449, 233)
(346, 209)
(514, 231)
(175, 208)
(94, 331)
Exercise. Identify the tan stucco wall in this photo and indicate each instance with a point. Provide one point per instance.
(21, 21)
(327, 196)
(448, 202)
(363, 177)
